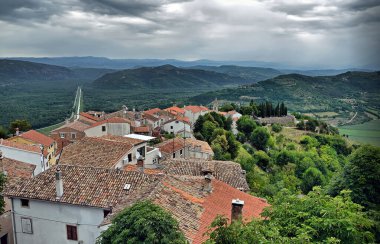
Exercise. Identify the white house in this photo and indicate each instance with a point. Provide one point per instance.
(74, 203)
(193, 112)
(114, 126)
(180, 125)
(30, 154)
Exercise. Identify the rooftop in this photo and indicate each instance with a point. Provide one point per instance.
(76, 125)
(175, 110)
(133, 141)
(37, 137)
(205, 147)
(226, 171)
(195, 109)
(16, 170)
(21, 146)
(152, 111)
(96, 152)
(89, 116)
(140, 137)
(85, 186)
(141, 129)
(171, 145)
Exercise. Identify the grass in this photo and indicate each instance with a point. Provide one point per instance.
(48, 129)
(368, 132)
(293, 133)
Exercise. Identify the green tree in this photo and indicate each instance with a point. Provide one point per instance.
(144, 222)
(246, 125)
(277, 128)
(207, 130)
(21, 124)
(309, 142)
(260, 138)
(3, 132)
(315, 217)
(262, 159)
(227, 107)
(198, 125)
(312, 177)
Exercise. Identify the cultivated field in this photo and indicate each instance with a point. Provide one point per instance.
(368, 132)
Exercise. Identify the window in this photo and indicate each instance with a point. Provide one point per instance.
(62, 135)
(103, 128)
(171, 127)
(26, 225)
(25, 203)
(71, 231)
(106, 212)
(180, 152)
(141, 150)
(130, 157)
(173, 155)
(73, 135)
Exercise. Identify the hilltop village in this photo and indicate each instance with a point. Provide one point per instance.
(70, 184)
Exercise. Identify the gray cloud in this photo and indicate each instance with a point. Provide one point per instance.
(323, 33)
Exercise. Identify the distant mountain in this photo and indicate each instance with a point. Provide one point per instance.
(322, 72)
(342, 95)
(14, 70)
(166, 76)
(250, 73)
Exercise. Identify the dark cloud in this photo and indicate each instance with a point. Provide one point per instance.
(360, 5)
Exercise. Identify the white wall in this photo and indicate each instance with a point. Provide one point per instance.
(25, 156)
(150, 156)
(194, 116)
(116, 129)
(49, 221)
(177, 126)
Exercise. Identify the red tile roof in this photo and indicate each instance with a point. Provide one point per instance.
(37, 137)
(95, 152)
(85, 186)
(131, 167)
(124, 139)
(141, 129)
(171, 145)
(111, 120)
(76, 125)
(205, 147)
(152, 111)
(151, 117)
(175, 110)
(219, 203)
(16, 170)
(89, 116)
(21, 146)
(196, 109)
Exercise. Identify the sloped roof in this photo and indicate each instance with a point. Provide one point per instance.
(85, 186)
(151, 117)
(89, 116)
(205, 147)
(37, 137)
(195, 109)
(94, 151)
(141, 129)
(171, 145)
(133, 141)
(76, 125)
(16, 170)
(193, 207)
(152, 111)
(175, 110)
(226, 171)
(21, 146)
(111, 120)
(179, 118)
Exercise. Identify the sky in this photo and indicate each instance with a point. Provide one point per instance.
(303, 33)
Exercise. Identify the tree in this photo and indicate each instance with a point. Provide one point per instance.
(361, 176)
(312, 177)
(3, 132)
(309, 142)
(207, 130)
(227, 107)
(144, 222)
(246, 110)
(277, 128)
(199, 124)
(315, 217)
(246, 125)
(260, 138)
(262, 159)
(21, 124)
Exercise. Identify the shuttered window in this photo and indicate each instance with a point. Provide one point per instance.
(71, 232)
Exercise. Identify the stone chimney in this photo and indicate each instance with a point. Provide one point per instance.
(237, 209)
(208, 185)
(17, 131)
(140, 164)
(58, 183)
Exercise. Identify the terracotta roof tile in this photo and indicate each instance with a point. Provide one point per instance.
(175, 110)
(89, 116)
(133, 141)
(76, 125)
(16, 170)
(86, 186)
(37, 137)
(141, 129)
(96, 152)
(205, 147)
(226, 171)
(171, 145)
(21, 146)
(195, 109)
(131, 167)
(152, 111)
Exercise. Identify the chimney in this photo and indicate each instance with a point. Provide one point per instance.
(237, 209)
(208, 186)
(58, 183)
(140, 164)
(17, 131)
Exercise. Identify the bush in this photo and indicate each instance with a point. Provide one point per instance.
(277, 128)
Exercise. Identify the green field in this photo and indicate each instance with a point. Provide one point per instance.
(368, 132)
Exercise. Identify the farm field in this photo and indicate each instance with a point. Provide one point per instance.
(368, 132)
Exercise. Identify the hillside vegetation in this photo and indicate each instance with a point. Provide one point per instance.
(343, 95)
(166, 76)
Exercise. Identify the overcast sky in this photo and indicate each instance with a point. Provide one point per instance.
(320, 33)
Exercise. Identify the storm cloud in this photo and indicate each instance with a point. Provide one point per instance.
(300, 33)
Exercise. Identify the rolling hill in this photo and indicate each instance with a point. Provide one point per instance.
(166, 76)
(254, 74)
(335, 98)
